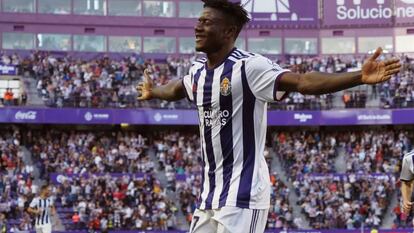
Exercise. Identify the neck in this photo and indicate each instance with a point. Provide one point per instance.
(215, 58)
(43, 196)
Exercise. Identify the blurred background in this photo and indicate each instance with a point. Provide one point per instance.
(69, 115)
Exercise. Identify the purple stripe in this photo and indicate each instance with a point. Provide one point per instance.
(252, 222)
(276, 86)
(226, 133)
(39, 206)
(185, 91)
(195, 83)
(44, 212)
(412, 158)
(238, 54)
(249, 147)
(207, 92)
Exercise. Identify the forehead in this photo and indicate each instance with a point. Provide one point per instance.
(211, 13)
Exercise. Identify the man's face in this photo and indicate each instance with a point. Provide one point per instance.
(46, 192)
(210, 31)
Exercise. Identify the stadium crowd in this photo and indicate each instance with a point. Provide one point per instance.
(101, 82)
(398, 92)
(16, 183)
(106, 203)
(305, 152)
(346, 202)
(65, 81)
(77, 152)
(376, 151)
(178, 154)
(120, 166)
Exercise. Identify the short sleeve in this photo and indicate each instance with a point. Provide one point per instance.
(407, 172)
(263, 77)
(188, 87)
(34, 203)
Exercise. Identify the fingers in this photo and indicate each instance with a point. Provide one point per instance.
(376, 54)
(386, 78)
(407, 207)
(147, 77)
(393, 71)
(140, 86)
(392, 61)
(393, 66)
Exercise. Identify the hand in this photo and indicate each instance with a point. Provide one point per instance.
(406, 207)
(145, 88)
(376, 72)
(36, 212)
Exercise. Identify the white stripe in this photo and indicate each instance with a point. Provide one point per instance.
(237, 102)
(200, 92)
(189, 79)
(215, 134)
(233, 59)
(260, 189)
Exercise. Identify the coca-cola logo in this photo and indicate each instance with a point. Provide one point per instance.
(29, 115)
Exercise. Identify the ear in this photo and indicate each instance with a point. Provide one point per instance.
(230, 32)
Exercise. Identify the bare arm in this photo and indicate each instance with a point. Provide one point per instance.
(173, 90)
(406, 191)
(53, 210)
(33, 211)
(316, 83)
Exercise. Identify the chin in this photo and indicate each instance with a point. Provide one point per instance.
(199, 49)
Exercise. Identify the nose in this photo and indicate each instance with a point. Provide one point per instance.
(198, 27)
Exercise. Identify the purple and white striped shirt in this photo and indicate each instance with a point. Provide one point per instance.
(232, 106)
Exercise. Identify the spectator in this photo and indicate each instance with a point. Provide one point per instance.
(8, 97)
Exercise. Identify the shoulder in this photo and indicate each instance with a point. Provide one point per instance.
(239, 55)
(408, 155)
(197, 64)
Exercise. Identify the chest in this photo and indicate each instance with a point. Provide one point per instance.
(219, 89)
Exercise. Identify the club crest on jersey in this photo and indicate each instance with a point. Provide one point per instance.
(225, 87)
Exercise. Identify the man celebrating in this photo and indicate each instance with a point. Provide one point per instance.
(407, 181)
(231, 89)
(42, 207)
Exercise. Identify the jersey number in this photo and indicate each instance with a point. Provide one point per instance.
(196, 218)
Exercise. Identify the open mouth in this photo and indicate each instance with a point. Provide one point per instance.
(199, 38)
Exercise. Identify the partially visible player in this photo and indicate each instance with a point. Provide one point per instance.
(42, 207)
(407, 181)
(231, 89)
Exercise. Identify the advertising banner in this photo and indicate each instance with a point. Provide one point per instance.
(282, 12)
(57, 178)
(270, 231)
(7, 69)
(404, 11)
(357, 12)
(189, 117)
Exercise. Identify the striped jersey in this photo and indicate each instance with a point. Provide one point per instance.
(44, 205)
(407, 169)
(231, 100)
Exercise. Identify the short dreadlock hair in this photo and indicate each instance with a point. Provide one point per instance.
(236, 14)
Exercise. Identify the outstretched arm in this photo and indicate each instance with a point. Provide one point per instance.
(316, 83)
(173, 90)
(407, 191)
